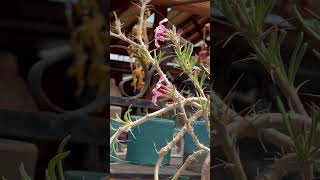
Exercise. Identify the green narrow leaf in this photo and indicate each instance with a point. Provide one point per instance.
(280, 40)
(298, 61)
(314, 125)
(314, 153)
(24, 175)
(127, 117)
(60, 150)
(113, 148)
(63, 144)
(53, 164)
(117, 119)
(262, 9)
(241, 14)
(225, 7)
(291, 129)
(245, 13)
(304, 25)
(316, 53)
(294, 58)
(313, 128)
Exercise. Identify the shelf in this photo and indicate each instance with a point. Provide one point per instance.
(50, 126)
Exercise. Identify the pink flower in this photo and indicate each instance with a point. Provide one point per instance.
(160, 31)
(159, 91)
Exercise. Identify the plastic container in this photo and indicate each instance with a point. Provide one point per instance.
(200, 129)
(155, 133)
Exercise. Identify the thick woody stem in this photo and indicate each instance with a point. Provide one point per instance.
(278, 139)
(280, 79)
(146, 118)
(205, 172)
(163, 152)
(223, 136)
(189, 160)
(188, 124)
(290, 93)
(141, 24)
(226, 139)
(119, 35)
(280, 168)
(232, 154)
(195, 102)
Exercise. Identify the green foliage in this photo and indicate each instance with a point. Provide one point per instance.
(296, 59)
(60, 150)
(273, 53)
(303, 141)
(54, 164)
(187, 62)
(269, 53)
(126, 119)
(24, 175)
(261, 8)
(185, 58)
(226, 8)
(314, 32)
(158, 57)
(247, 17)
(292, 130)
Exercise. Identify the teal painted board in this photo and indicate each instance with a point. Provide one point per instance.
(84, 175)
(155, 133)
(200, 129)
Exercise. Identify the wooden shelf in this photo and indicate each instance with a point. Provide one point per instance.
(50, 126)
(126, 171)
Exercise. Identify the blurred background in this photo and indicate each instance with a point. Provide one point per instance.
(231, 64)
(53, 82)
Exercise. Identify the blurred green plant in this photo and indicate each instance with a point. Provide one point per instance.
(248, 17)
(54, 170)
(122, 122)
(303, 142)
(315, 31)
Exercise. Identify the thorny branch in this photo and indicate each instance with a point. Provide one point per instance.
(196, 102)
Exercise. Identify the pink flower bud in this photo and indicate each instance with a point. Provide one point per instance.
(160, 31)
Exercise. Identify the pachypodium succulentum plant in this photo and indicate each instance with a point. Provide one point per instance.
(300, 141)
(185, 58)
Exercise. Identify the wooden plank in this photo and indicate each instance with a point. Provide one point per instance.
(199, 8)
(49, 126)
(140, 103)
(121, 170)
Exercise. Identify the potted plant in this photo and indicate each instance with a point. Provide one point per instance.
(185, 58)
(147, 139)
(200, 129)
